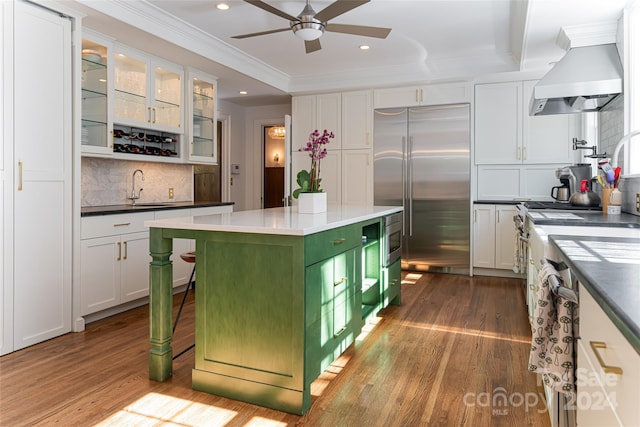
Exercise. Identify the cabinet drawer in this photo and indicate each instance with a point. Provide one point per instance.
(326, 244)
(111, 225)
(623, 389)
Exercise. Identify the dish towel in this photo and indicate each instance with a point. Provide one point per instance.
(554, 327)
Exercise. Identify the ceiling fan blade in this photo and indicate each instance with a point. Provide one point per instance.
(359, 30)
(261, 33)
(264, 6)
(338, 8)
(312, 45)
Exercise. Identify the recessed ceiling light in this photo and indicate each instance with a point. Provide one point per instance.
(364, 47)
(243, 92)
(222, 6)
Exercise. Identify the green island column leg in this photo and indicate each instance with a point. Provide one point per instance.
(160, 306)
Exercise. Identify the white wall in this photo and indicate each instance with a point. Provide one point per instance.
(237, 156)
(255, 119)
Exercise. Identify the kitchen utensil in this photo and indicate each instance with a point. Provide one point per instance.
(561, 193)
(610, 177)
(584, 197)
(601, 181)
(616, 176)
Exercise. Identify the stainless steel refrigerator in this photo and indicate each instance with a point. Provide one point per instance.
(421, 162)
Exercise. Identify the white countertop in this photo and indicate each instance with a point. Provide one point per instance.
(284, 221)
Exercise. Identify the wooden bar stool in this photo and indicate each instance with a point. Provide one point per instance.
(189, 257)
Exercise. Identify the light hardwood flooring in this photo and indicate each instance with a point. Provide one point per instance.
(453, 354)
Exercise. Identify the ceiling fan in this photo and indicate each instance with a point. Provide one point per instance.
(309, 25)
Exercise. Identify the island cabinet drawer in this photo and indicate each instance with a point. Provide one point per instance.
(112, 225)
(614, 367)
(328, 243)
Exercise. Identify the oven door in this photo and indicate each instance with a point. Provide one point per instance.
(393, 242)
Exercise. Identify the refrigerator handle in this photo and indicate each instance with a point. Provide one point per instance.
(410, 183)
(404, 185)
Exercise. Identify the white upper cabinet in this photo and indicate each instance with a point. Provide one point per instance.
(148, 92)
(96, 137)
(409, 96)
(203, 146)
(545, 139)
(506, 134)
(357, 120)
(320, 112)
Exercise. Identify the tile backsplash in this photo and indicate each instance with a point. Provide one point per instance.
(611, 127)
(108, 181)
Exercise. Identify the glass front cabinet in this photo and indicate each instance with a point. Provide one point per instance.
(96, 136)
(203, 147)
(147, 93)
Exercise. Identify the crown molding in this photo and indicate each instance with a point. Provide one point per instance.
(149, 18)
(587, 35)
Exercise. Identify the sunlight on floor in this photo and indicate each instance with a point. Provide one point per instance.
(470, 332)
(155, 408)
(411, 278)
(368, 327)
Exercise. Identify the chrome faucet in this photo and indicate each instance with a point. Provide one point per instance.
(133, 196)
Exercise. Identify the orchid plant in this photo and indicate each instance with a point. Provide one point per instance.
(309, 181)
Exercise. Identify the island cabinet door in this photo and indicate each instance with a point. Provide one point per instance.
(332, 315)
(249, 314)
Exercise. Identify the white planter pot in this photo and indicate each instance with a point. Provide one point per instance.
(312, 202)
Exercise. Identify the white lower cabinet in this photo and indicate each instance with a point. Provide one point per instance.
(114, 256)
(494, 236)
(115, 260)
(512, 182)
(605, 398)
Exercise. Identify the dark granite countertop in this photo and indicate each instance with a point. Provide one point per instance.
(590, 218)
(609, 269)
(145, 207)
(498, 202)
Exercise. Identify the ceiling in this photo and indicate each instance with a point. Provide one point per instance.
(431, 40)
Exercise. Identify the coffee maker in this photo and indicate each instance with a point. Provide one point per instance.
(571, 177)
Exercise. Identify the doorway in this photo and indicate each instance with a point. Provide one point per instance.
(273, 166)
(207, 179)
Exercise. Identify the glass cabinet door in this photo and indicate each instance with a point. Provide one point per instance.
(203, 120)
(166, 110)
(130, 93)
(95, 122)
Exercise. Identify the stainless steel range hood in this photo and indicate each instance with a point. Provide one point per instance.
(585, 79)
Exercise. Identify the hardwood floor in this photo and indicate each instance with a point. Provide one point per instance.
(455, 353)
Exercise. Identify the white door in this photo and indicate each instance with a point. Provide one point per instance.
(287, 160)
(42, 161)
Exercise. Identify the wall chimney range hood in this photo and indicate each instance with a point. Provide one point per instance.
(586, 79)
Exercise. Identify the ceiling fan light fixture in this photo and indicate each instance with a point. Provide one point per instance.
(308, 31)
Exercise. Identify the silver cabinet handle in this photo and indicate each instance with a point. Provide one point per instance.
(337, 334)
(339, 282)
(122, 224)
(595, 346)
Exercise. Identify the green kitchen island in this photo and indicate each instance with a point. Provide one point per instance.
(279, 296)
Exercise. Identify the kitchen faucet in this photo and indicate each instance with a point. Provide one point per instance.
(580, 144)
(133, 196)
